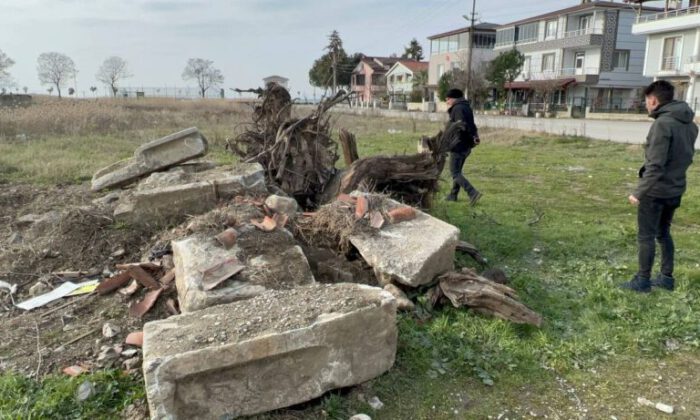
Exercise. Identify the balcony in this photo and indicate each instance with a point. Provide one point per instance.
(579, 38)
(671, 64)
(673, 20)
(692, 65)
(582, 75)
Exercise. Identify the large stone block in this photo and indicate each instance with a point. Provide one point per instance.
(151, 157)
(169, 196)
(275, 350)
(272, 260)
(412, 252)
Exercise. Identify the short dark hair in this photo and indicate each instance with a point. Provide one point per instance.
(454, 94)
(662, 89)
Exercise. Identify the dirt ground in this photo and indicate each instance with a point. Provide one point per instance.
(73, 234)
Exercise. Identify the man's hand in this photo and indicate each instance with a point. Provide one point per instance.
(633, 200)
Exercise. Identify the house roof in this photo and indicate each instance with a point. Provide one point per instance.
(413, 65)
(483, 27)
(380, 64)
(578, 8)
(274, 76)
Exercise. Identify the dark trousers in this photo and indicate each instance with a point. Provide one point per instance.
(457, 160)
(654, 216)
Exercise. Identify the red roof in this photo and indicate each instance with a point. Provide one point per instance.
(415, 66)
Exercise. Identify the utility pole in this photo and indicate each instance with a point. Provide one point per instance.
(335, 72)
(470, 48)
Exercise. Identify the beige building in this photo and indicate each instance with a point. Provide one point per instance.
(449, 50)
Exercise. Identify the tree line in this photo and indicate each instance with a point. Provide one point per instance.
(58, 70)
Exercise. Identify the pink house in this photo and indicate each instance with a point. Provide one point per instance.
(368, 78)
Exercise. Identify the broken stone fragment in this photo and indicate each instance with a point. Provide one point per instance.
(229, 361)
(151, 157)
(282, 205)
(109, 330)
(402, 301)
(413, 252)
(159, 201)
(38, 288)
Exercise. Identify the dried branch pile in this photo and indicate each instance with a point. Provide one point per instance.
(298, 155)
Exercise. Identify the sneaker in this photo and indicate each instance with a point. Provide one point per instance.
(474, 198)
(637, 284)
(451, 198)
(664, 282)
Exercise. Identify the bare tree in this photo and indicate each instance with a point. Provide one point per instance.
(204, 72)
(55, 69)
(5, 63)
(113, 70)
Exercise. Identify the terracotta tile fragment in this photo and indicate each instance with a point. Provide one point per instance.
(135, 338)
(268, 224)
(132, 288)
(168, 277)
(141, 276)
(280, 219)
(213, 276)
(74, 370)
(141, 308)
(361, 207)
(346, 198)
(113, 283)
(227, 238)
(401, 214)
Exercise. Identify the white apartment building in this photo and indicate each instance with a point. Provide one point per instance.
(587, 51)
(673, 47)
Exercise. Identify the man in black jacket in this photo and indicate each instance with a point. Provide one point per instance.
(459, 110)
(669, 152)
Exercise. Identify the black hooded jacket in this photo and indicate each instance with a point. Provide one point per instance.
(461, 111)
(668, 151)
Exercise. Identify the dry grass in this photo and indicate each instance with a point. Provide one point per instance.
(84, 117)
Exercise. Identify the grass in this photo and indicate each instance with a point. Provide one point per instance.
(555, 217)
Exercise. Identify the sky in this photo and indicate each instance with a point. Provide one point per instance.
(246, 39)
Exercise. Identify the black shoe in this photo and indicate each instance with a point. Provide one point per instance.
(474, 198)
(637, 284)
(664, 282)
(451, 198)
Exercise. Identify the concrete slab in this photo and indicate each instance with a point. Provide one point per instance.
(151, 157)
(170, 196)
(278, 349)
(272, 260)
(411, 252)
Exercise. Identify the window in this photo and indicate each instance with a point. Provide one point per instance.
(548, 62)
(527, 32)
(484, 40)
(505, 36)
(434, 46)
(391, 79)
(440, 70)
(551, 29)
(584, 22)
(621, 60)
(399, 78)
(672, 52)
(526, 67)
(452, 43)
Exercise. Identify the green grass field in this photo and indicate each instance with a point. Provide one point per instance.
(554, 216)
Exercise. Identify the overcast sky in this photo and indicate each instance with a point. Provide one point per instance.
(246, 39)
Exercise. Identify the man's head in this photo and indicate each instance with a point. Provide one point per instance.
(453, 95)
(657, 94)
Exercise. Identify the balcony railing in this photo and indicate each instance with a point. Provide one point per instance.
(584, 31)
(560, 73)
(670, 14)
(671, 63)
(693, 59)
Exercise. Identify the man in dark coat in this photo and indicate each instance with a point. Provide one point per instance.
(459, 110)
(669, 152)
